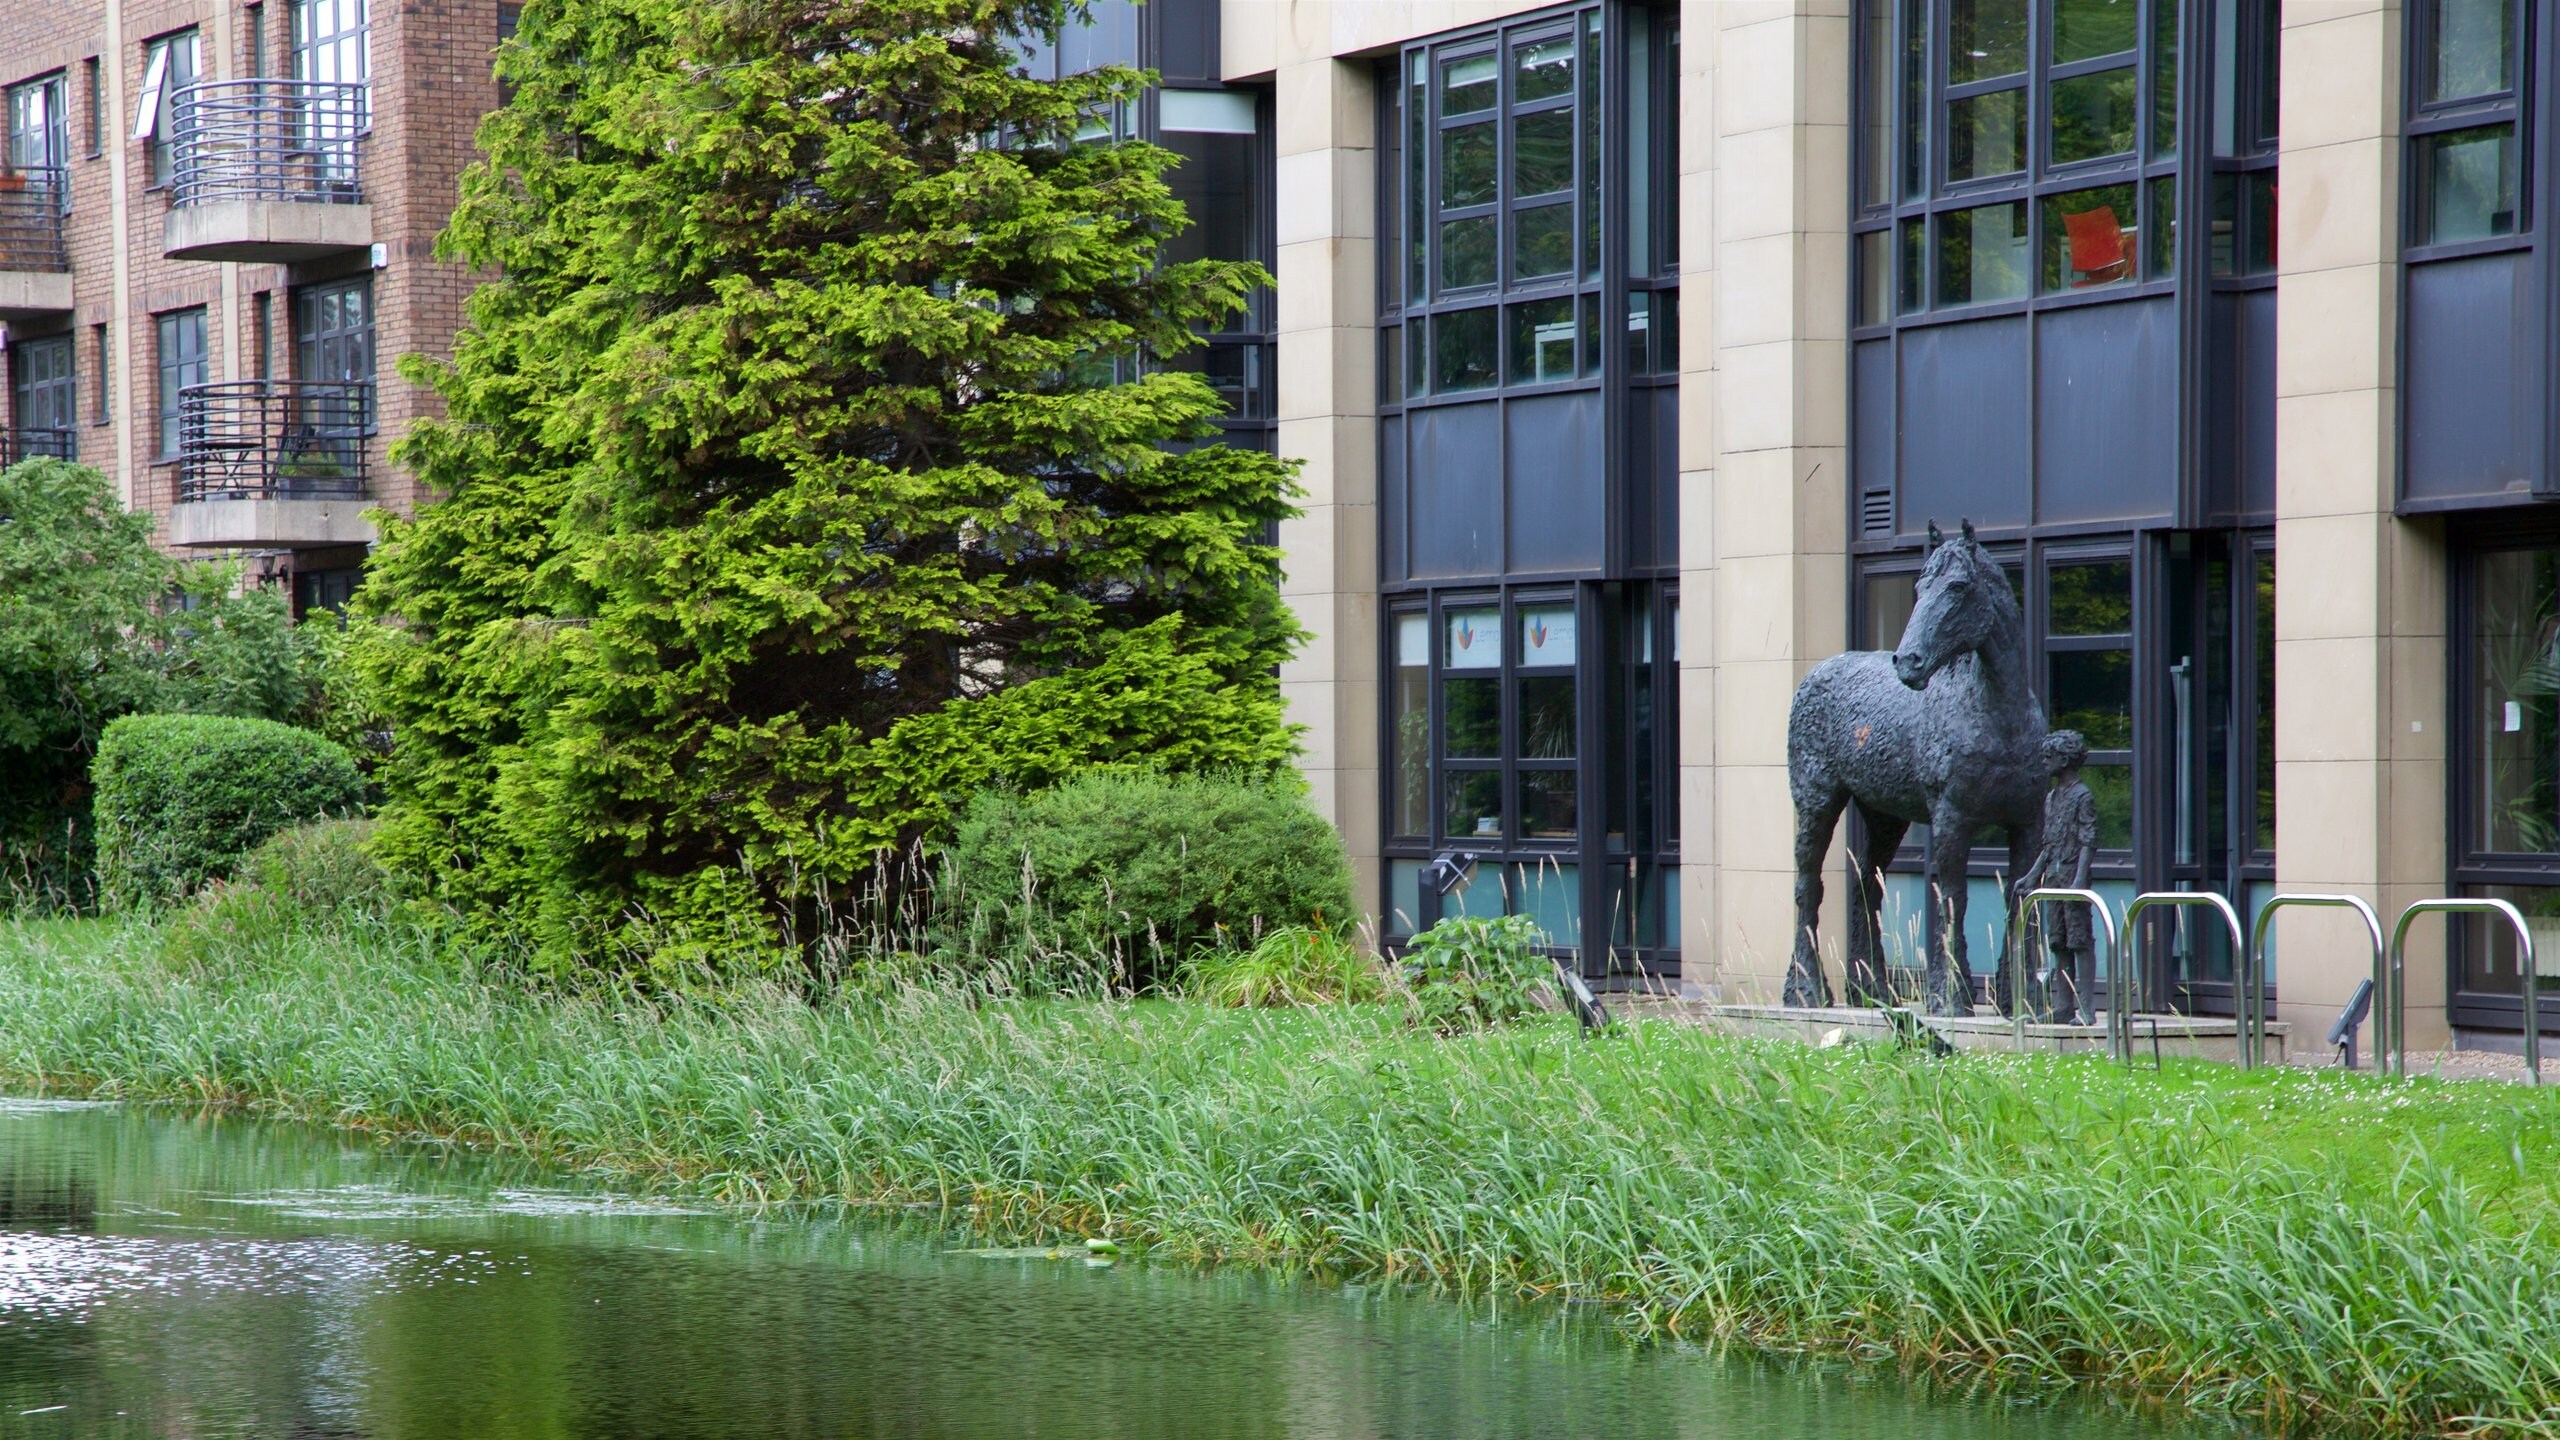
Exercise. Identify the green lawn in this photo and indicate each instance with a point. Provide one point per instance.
(2324, 1250)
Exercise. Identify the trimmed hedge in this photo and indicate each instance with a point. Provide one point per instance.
(180, 798)
(1138, 869)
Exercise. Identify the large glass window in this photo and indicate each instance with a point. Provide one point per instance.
(2466, 147)
(1501, 190)
(170, 64)
(2058, 160)
(182, 360)
(44, 399)
(2508, 791)
(40, 135)
(2089, 679)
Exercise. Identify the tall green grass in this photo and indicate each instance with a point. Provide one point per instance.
(2325, 1252)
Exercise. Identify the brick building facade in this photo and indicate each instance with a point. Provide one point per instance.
(217, 233)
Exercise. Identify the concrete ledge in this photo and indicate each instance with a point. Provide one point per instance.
(34, 294)
(2179, 1036)
(265, 524)
(272, 232)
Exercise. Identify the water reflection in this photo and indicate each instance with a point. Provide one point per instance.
(166, 1275)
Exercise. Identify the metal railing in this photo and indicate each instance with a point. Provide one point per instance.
(2169, 899)
(2389, 1006)
(2252, 995)
(31, 200)
(2119, 1018)
(58, 442)
(246, 439)
(289, 140)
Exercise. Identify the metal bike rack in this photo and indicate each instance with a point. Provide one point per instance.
(2116, 1017)
(2391, 1007)
(2174, 899)
(2250, 996)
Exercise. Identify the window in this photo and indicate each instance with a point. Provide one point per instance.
(2507, 751)
(1501, 159)
(2089, 678)
(104, 389)
(170, 64)
(1221, 181)
(40, 137)
(2466, 94)
(182, 360)
(2055, 122)
(44, 399)
(331, 405)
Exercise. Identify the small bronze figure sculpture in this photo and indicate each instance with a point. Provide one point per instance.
(1943, 732)
(2062, 862)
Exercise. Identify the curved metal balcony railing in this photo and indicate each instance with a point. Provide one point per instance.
(290, 140)
(31, 198)
(29, 442)
(273, 439)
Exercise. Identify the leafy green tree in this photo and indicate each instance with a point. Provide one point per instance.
(788, 497)
(95, 623)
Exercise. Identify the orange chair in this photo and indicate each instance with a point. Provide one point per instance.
(2097, 247)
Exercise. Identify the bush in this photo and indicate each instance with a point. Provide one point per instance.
(1138, 868)
(321, 867)
(1293, 965)
(1469, 972)
(180, 798)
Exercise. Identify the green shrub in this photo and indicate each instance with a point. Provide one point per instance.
(321, 867)
(1468, 972)
(180, 798)
(1136, 869)
(1293, 965)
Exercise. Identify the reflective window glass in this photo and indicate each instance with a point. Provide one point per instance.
(1982, 254)
(2092, 692)
(1542, 241)
(1465, 346)
(1985, 39)
(1471, 717)
(1474, 805)
(1876, 75)
(2164, 77)
(1546, 717)
(2474, 49)
(1468, 85)
(2092, 116)
(1542, 69)
(1468, 173)
(1412, 808)
(1875, 277)
(2515, 649)
(1466, 252)
(1985, 135)
(1547, 808)
(2090, 598)
(1547, 634)
(1542, 341)
(2164, 228)
(2090, 238)
(2467, 184)
(2087, 29)
(1541, 153)
(1914, 295)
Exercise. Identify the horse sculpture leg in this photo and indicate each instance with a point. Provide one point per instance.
(1866, 926)
(1816, 817)
(1950, 854)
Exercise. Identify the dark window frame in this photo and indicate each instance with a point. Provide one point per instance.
(2512, 107)
(2471, 867)
(178, 366)
(160, 161)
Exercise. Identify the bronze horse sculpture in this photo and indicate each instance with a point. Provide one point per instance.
(1945, 731)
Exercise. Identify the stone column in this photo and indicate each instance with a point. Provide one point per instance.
(1326, 187)
(1774, 539)
(1700, 28)
(2360, 595)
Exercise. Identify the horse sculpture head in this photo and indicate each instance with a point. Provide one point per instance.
(1962, 603)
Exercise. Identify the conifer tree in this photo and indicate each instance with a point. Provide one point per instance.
(787, 494)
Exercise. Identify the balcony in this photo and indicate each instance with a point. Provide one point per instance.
(269, 464)
(35, 265)
(264, 171)
(38, 442)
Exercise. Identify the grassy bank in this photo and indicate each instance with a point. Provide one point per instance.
(2319, 1250)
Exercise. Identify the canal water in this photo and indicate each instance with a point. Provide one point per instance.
(168, 1274)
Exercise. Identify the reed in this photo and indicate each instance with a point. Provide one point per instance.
(2320, 1251)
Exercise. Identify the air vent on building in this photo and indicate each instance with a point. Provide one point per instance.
(1875, 512)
